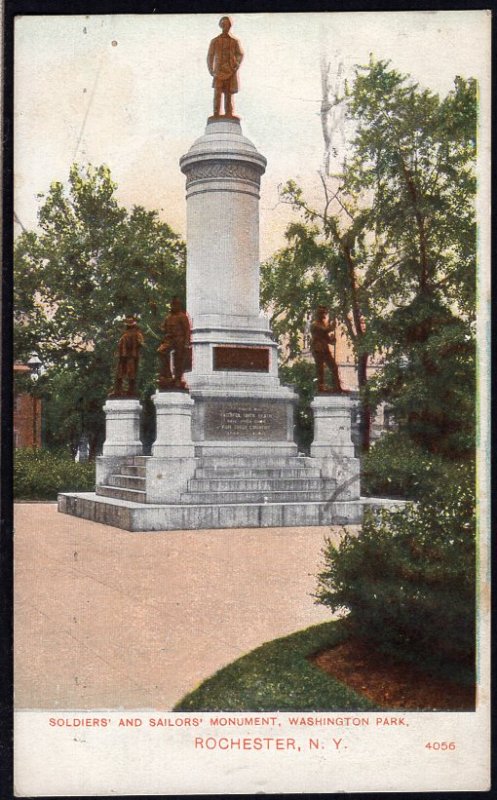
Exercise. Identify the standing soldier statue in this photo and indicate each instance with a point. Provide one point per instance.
(128, 355)
(323, 334)
(176, 327)
(223, 59)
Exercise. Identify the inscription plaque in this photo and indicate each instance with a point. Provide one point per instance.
(242, 359)
(245, 419)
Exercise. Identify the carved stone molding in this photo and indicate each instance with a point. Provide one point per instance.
(206, 170)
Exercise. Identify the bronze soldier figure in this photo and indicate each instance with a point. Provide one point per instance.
(223, 60)
(128, 355)
(323, 334)
(176, 327)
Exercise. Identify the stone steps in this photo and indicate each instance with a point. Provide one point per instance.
(128, 482)
(233, 498)
(269, 484)
(213, 473)
(135, 461)
(131, 469)
(230, 481)
(268, 461)
(118, 493)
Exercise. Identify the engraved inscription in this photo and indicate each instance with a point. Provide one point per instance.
(243, 359)
(245, 419)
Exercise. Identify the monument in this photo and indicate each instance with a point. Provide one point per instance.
(323, 334)
(224, 454)
(128, 356)
(176, 342)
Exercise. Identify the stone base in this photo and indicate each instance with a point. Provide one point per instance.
(166, 478)
(332, 426)
(122, 427)
(242, 422)
(173, 416)
(136, 517)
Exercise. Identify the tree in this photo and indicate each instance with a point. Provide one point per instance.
(395, 237)
(91, 264)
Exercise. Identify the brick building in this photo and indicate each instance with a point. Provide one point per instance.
(27, 415)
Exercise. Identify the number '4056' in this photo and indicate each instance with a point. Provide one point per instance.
(440, 745)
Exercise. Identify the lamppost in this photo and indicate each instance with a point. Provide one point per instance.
(34, 363)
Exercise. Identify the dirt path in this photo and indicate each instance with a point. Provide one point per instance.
(110, 619)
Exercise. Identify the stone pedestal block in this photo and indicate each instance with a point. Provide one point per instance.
(174, 425)
(122, 428)
(167, 478)
(105, 466)
(333, 448)
(241, 422)
(332, 426)
(346, 472)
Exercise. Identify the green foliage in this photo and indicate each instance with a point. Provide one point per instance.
(302, 375)
(396, 466)
(415, 152)
(393, 251)
(41, 474)
(408, 579)
(278, 677)
(430, 378)
(293, 283)
(91, 264)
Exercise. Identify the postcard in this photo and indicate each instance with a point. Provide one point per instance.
(252, 292)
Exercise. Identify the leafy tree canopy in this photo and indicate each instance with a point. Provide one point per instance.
(393, 247)
(91, 264)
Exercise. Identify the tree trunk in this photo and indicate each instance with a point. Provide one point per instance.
(365, 413)
(92, 446)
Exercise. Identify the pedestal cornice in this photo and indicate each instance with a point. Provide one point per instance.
(223, 153)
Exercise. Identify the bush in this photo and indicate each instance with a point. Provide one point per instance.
(41, 474)
(408, 579)
(397, 467)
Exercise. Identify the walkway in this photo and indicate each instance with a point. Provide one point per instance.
(106, 619)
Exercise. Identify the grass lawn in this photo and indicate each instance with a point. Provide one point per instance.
(278, 677)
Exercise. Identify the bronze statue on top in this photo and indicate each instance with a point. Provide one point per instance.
(128, 355)
(176, 327)
(223, 60)
(323, 334)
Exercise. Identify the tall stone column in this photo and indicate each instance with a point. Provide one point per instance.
(223, 171)
(240, 405)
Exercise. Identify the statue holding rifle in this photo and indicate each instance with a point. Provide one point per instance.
(323, 335)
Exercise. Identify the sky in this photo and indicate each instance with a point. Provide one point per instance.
(133, 92)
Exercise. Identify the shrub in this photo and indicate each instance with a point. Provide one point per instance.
(41, 474)
(408, 579)
(397, 467)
